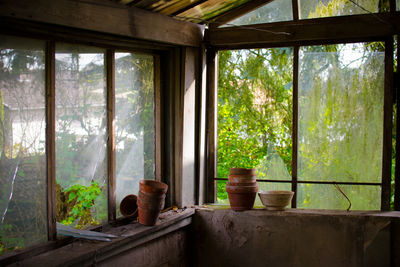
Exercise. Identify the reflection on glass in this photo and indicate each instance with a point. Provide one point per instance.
(278, 10)
(341, 90)
(81, 168)
(329, 8)
(317, 196)
(134, 122)
(23, 219)
(398, 5)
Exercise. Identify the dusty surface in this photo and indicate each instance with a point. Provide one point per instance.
(292, 238)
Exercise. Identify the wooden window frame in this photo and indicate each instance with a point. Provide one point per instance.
(238, 41)
(50, 106)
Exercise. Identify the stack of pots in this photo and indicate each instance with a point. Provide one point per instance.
(242, 188)
(151, 201)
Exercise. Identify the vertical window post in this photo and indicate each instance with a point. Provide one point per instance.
(110, 66)
(295, 123)
(387, 126)
(50, 140)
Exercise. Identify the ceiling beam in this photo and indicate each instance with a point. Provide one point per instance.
(323, 30)
(112, 18)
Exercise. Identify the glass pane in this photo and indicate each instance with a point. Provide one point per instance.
(398, 5)
(23, 211)
(81, 162)
(278, 10)
(134, 122)
(317, 196)
(341, 90)
(330, 8)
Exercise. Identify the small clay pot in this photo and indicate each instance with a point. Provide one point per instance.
(242, 171)
(152, 187)
(276, 199)
(150, 201)
(241, 197)
(129, 207)
(241, 179)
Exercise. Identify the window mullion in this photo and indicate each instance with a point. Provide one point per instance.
(397, 171)
(295, 123)
(50, 140)
(387, 126)
(110, 63)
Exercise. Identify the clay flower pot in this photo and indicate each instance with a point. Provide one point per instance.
(150, 201)
(129, 207)
(242, 188)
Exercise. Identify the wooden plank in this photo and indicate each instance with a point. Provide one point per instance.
(397, 170)
(237, 12)
(113, 18)
(295, 122)
(211, 124)
(304, 32)
(387, 126)
(50, 140)
(157, 117)
(200, 126)
(111, 163)
(183, 9)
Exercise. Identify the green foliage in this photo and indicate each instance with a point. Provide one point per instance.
(82, 199)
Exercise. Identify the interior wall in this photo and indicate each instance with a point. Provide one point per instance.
(295, 238)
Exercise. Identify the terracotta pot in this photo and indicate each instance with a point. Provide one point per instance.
(242, 171)
(152, 187)
(129, 207)
(151, 201)
(241, 197)
(242, 179)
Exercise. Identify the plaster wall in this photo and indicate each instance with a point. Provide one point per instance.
(291, 238)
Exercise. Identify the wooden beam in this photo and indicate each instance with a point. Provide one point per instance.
(113, 18)
(50, 140)
(111, 162)
(295, 123)
(237, 12)
(397, 170)
(304, 32)
(211, 124)
(387, 126)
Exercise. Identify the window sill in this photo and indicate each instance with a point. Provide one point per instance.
(86, 252)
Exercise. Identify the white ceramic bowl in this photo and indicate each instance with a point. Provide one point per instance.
(276, 200)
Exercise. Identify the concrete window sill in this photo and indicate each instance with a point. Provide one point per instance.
(85, 252)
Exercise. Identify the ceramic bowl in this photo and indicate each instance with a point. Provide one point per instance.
(276, 200)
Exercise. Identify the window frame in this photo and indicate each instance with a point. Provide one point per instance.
(159, 53)
(385, 183)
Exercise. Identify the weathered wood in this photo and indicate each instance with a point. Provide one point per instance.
(189, 126)
(211, 124)
(157, 116)
(111, 18)
(237, 12)
(200, 126)
(295, 123)
(305, 32)
(387, 126)
(50, 140)
(397, 170)
(111, 155)
(295, 10)
(174, 11)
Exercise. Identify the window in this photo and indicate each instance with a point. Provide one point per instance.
(277, 10)
(134, 122)
(338, 127)
(23, 219)
(87, 80)
(81, 135)
(328, 8)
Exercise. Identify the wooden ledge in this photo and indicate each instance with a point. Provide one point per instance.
(86, 252)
